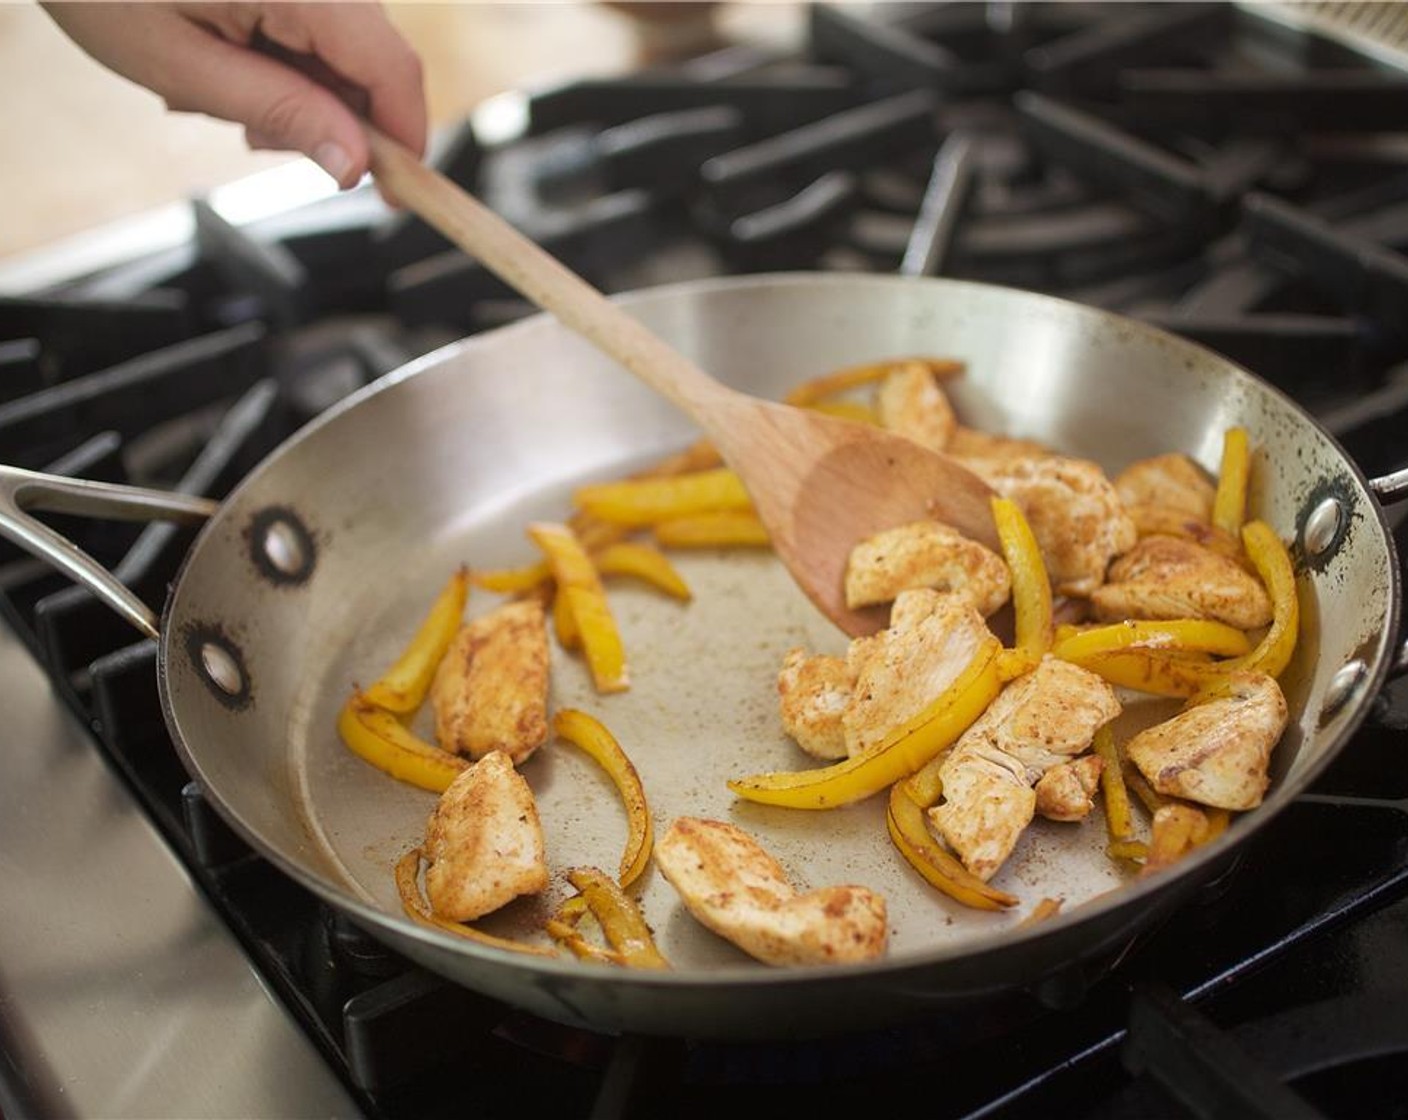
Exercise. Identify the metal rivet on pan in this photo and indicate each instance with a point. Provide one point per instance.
(1322, 526)
(1343, 686)
(283, 547)
(221, 669)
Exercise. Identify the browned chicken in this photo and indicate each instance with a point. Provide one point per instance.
(981, 449)
(1217, 752)
(731, 885)
(483, 843)
(1173, 481)
(910, 402)
(813, 692)
(931, 639)
(1066, 792)
(926, 554)
(491, 690)
(1075, 515)
(1039, 721)
(1169, 577)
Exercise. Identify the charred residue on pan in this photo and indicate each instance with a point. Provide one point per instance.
(218, 663)
(1339, 491)
(284, 550)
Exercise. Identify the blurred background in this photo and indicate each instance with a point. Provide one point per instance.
(83, 147)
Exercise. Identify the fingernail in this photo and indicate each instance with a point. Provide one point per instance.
(333, 159)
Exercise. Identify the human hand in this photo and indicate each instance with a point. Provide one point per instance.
(297, 76)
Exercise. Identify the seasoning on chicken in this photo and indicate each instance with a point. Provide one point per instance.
(483, 843)
(980, 449)
(1217, 752)
(1172, 481)
(910, 402)
(1066, 792)
(931, 639)
(926, 554)
(491, 690)
(1170, 577)
(730, 883)
(1039, 721)
(812, 692)
(1075, 514)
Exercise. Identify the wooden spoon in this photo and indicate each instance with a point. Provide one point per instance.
(820, 484)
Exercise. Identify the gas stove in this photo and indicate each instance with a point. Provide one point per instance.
(1235, 175)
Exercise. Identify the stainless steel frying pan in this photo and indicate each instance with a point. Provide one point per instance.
(314, 572)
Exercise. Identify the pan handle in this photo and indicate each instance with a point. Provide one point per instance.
(22, 490)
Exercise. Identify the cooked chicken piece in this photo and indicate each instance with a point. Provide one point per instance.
(926, 554)
(980, 450)
(910, 402)
(1167, 521)
(1216, 753)
(1170, 577)
(1066, 792)
(734, 887)
(1040, 721)
(812, 694)
(931, 639)
(1075, 514)
(1173, 481)
(491, 690)
(483, 843)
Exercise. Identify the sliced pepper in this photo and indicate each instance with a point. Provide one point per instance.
(1119, 822)
(590, 735)
(619, 917)
(926, 785)
(910, 835)
(740, 529)
(1135, 851)
(1229, 503)
(1151, 671)
(1031, 586)
(644, 501)
(577, 579)
(1175, 826)
(512, 581)
(1201, 635)
(1273, 563)
(408, 886)
(631, 558)
(1046, 908)
(567, 934)
(816, 389)
(402, 687)
(378, 737)
(563, 624)
(847, 410)
(900, 753)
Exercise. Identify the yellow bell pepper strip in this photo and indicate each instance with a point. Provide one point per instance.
(632, 558)
(570, 937)
(1151, 671)
(1177, 635)
(1229, 503)
(577, 579)
(644, 501)
(1149, 797)
(415, 905)
(1273, 563)
(1046, 908)
(1031, 586)
(589, 735)
(563, 624)
(740, 529)
(911, 837)
(900, 753)
(402, 687)
(816, 389)
(1119, 822)
(512, 581)
(1217, 820)
(1175, 825)
(619, 917)
(1135, 851)
(926, 785)
(378, 737)
(1014, 663)
(847, 410)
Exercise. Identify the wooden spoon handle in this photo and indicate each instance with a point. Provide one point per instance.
(544, 280)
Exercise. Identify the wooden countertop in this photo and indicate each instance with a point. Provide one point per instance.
(83, 147)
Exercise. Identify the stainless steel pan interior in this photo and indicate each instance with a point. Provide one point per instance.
(313, 574)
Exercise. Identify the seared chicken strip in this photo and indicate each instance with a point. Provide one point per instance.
(729, 882)
(1066, 792)
(812, 694)
(491, 690)
(483, 843)
(926, 554)
(1075, 515)
(1217, 752)
(1173, 481)
(931, 639)
(979, 449)
(910, 402)
(1170, 577)
(1039, 721)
